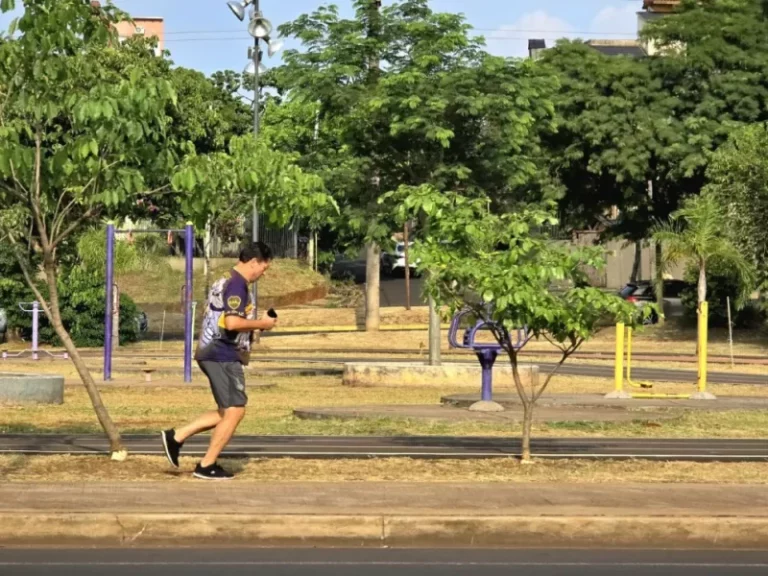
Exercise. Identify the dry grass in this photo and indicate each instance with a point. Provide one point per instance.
(146, 410)
(163, 285)
(150, 468)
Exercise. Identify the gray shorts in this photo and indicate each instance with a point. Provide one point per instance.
(227, 382)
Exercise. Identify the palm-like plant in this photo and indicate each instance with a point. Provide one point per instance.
(699, 232)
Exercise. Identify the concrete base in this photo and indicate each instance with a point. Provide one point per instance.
(18, 389)
(486, 406)
(616, 395)
(409, 374)
(703, 396)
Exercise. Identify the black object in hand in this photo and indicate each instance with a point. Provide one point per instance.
(271, 313)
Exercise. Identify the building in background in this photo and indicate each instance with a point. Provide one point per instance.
(652, 10)
(149, 26)
(536, 47)
(618, 47)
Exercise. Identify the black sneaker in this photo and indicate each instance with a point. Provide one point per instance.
(212, 472)
(172, 448)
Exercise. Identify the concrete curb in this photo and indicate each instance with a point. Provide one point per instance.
(374, 530)
(408, 374)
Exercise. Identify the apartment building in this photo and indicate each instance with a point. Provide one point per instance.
(149, 26)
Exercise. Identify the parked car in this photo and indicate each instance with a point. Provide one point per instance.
(394, 262)
(642, 293)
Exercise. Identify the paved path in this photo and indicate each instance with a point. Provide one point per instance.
(638, 374)
(598, 402)
(322, 447)
(353, 562)
(452, 414)
(475, 499)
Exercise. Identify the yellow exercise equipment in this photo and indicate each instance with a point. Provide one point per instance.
(620, 379)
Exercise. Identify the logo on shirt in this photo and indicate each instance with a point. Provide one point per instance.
(233, 302)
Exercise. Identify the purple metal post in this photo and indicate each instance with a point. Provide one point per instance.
(35, 320)
(189, 250)
(487, 357)
(110, 257)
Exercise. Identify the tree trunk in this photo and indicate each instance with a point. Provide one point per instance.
(407, 268)
(434, 334)
(115, 442)
(635, 276)
(702, 283)
(659, 283)
(372, 286)
(702, 294)
(527, 424)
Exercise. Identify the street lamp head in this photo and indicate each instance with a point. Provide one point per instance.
(273, 47)
(259, 27)
(238, 9)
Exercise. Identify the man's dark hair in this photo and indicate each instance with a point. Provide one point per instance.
(258, 250)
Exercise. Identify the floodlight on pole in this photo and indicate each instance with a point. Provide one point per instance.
(259, 27)
(273, 47)
(238, 8)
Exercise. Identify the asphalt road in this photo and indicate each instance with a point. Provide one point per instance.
(392, 287)
(338, 562)
(422, 447)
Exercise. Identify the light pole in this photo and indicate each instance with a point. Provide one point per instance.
(260, 28)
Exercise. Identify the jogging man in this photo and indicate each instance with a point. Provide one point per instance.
(223, 349)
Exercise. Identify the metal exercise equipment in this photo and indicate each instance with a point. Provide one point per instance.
(486, 352)
(189, 244)
(34, 309)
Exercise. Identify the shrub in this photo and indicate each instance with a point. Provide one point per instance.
(723, 282)
(82, 296)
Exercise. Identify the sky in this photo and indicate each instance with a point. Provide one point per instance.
(205, 35)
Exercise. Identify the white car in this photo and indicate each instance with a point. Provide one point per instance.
(395, 261)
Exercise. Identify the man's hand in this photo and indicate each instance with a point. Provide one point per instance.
(268, 323)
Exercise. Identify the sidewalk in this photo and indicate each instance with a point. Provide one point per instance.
(376, 514)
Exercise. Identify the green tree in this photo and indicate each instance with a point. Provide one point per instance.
(738, 177)
(617, 144)
(406, 97)
(698, 232)
(76, 143)
(221, 181)
(509, 273)
(638, 133)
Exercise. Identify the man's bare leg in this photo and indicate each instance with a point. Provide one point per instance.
(202, 423)
(222, 434)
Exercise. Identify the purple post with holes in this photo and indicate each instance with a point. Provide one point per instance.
(487, 357)
(486, 352)
(110, 256)
(35, 320)
(189, 248)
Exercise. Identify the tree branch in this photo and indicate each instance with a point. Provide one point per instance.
(567, 353)
(28, 276)
(16, 179)
(91, 212)
(14, 192)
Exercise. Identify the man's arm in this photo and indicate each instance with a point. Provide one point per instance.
(235, 317)
(238, 324)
